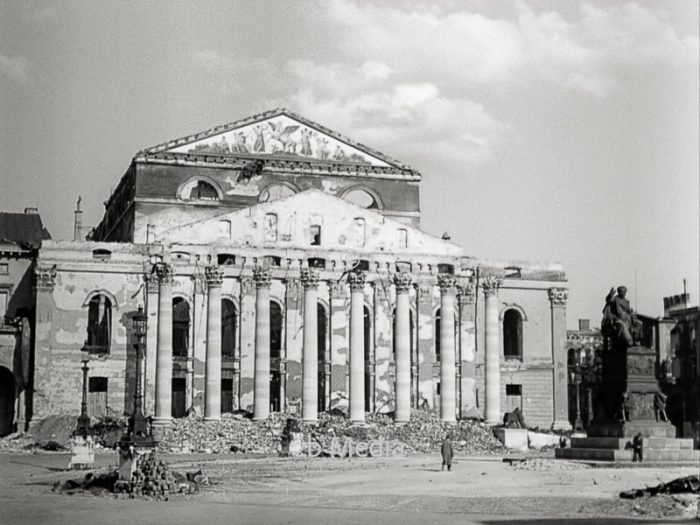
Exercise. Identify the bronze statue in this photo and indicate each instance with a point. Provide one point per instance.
(619, 319)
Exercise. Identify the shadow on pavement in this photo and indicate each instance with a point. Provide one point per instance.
(604, 521)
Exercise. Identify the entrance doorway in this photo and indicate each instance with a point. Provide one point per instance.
(7, 401)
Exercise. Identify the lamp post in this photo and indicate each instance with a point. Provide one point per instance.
(138, 432)
(83, 428)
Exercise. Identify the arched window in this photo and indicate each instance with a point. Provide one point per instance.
(322, 320)
(99, 330)
(204, 191)
(228, 329)
(512, 334)
(181, 327)
(361, 198)
(275, 192)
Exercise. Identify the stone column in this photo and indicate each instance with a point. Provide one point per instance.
(309, 389)
(447, 348)
(44, 337)
(151, 351)
(557, 299)
(261, 403)
(164, 358)
(467, 349)
(402, 336)
(357, 347)
(212, 401)
(492, 412)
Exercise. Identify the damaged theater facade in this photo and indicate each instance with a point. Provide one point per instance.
(282, 268)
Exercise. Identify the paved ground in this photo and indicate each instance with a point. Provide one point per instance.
(379, 491)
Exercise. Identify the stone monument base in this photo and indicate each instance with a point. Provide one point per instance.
(513, 438)
(654, 449)
(629, 429)
(82, 453)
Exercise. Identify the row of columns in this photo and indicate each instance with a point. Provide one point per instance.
(309, 279)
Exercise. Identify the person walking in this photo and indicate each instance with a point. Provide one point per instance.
(446, 451)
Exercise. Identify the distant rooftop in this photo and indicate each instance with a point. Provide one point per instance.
(25, 228)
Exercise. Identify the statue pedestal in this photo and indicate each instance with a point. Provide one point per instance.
(625, 409)
(82, 453)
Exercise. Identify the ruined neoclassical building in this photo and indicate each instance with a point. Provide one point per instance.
(282, 268)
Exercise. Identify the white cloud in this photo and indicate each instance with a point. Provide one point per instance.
(14, 67)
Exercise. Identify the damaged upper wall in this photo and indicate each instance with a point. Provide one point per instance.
(312, 220)
(259, 159)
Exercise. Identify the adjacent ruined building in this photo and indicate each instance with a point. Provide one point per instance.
(282, 268)
(21, 235)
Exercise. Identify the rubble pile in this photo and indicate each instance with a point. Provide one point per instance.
(17, 442)
(233, 433)
(685, 485)
(236, 433)
(547, 464)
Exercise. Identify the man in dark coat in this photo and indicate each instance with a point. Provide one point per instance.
(446, 450)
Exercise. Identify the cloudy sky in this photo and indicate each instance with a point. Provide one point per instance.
(545, 130)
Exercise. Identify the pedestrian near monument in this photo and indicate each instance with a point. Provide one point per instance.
(446, 451)
(637, 448)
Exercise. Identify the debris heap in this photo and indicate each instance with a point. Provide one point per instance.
(236, 433)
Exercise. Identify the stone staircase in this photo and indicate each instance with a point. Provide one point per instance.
(654, 449)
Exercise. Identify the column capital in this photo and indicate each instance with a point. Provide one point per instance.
(214, 275)
(446, 282)
(467, 292)
(356, 280)
(490, 284)
(45, 278)
(403, 282)
(558, 296)
(164, 272)
(309, 278)
(151, 279)
(262, 277)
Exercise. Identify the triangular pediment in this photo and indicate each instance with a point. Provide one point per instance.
(286, 223)
(282, 134)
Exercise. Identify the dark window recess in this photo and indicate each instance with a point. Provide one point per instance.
(181, 327)
(514, 397)
(228, 329)
(272, 260)
(205, 191)
(512, 334)
(97, 396)
(99, 327)
(368, 358)
(101, 254)
(321, 332)
(361, 265)
(225, 259)
(436, 336)
(315, 232)
(317, 262)
(275, 330)
(226, 395)
(97, 384)
(514, 390)
(446, 268)
(179, 397)
(438, 387)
